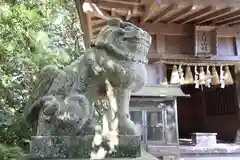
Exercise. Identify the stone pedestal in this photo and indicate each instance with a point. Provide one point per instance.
(67, 147)
(145, 156)
(204, 139)
(237, 138)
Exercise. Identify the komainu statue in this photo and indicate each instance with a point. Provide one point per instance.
(62, 101)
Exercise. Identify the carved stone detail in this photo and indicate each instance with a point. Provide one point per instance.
(62, 100)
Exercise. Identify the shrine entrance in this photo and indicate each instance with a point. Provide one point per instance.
(209, 111)
(154, 119)
(157, 116)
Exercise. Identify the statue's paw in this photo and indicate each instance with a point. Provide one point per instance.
(112, 138)
(50, 109)
(50, 105)
(97, 69)
(126, 131)
(47, 118)
(129, 128)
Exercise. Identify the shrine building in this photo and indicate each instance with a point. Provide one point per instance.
(193, 71)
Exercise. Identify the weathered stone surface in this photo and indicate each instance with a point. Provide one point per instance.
(204, 139)
(145, 156)
(219, 148)
(237, 137)
(64, 100)
(80, 147)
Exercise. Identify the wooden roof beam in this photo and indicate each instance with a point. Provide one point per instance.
(235, 23)
(93, 10)
(191, 58)
(97, 29)
(98, 22)
(113, 12)
(131, 1)
(85, 20)
(129, 15)
(151, 9)
(182, 12)
(229, 21)
(227, 16)
(230, 3)
(186, 29)
(99, 25)
(124, 12)
(197, 14)
(136, 11)
(214, 15)
(194, 9)
(118, 4)
(165, 11)
(144, 1)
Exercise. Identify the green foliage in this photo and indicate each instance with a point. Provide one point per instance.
(11, 153)
(33, 34)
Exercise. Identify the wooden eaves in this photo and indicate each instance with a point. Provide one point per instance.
(206, 12)
(145, 13)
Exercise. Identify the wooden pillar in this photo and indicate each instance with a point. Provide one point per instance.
(237, 46)
(161, 72)
(85, 21)
(161, 44)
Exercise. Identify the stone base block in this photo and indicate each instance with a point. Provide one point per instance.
(145, 156)
(67, 147)
(237, 138)
(204, 139)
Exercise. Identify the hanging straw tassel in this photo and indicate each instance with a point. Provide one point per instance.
(196, 78)
(202, 76)
(208, 78)
(181, 74)
(227, 75)
(174, 76)
(222, 81)
(188, 76)
(215, 78)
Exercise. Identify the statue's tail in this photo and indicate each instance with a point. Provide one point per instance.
(40, 89)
